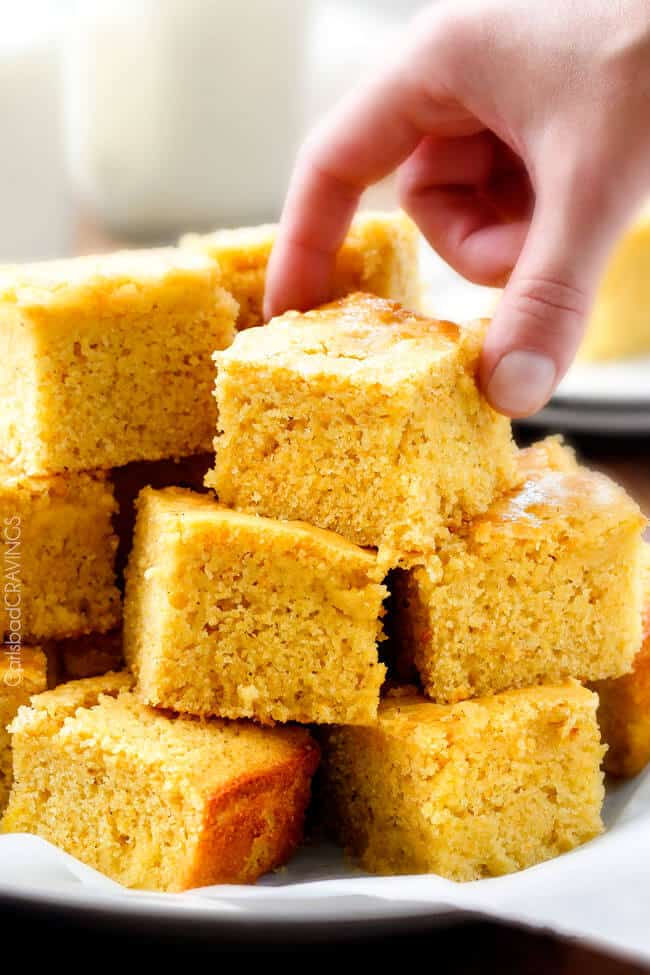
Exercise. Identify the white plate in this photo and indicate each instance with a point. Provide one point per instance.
(618, 384)
(598, 893)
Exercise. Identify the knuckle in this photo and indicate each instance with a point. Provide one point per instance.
(549, 303)
(437, 39)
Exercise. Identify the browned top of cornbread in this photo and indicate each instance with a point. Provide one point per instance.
(197, 756)
(407, 714)
(179, 508)
(135, 279)
(360, 337)
(236, 248)
(249, 248)
(554, 488)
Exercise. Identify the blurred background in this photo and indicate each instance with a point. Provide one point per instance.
(134, 120)
(128, 122)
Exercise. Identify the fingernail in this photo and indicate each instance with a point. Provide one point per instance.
(521, 383)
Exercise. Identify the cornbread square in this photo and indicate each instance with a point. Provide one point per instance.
(543, 586)
(240, 616)
(58, 553)
(23, 672)
(154, 800)
(619, 323)
(128, 481)
(469, 790)
(379, 255)
(108, 358)
(362, 418)
(624, 709)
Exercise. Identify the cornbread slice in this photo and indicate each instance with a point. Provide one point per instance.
(153, 800)
(23, 672)
(619, 324)
(624, 710)
(544, 586)
(470, 790)
(240, 616)
(362, 418)
(129, 480)
(58, 553)
(108, 358)
(379, 255)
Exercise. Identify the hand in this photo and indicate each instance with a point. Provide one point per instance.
(521, 138)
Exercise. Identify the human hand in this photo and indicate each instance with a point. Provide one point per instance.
(521, 139)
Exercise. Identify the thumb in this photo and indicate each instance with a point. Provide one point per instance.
(542, 313)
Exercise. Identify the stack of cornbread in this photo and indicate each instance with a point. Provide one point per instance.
(360, 487)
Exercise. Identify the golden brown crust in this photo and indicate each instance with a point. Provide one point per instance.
(379, 256)
(254, 824)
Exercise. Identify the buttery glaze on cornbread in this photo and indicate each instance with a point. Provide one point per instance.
(152, 800)
(379, 256)
(470, 790)
(58, 554)
(545, 585)
(238, 616)
(362, 418)
(108, 358)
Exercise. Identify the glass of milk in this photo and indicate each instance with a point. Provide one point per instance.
(183, 113)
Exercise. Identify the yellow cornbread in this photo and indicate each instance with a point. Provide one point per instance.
(240, 616)
(379, 255)
(362, 418)
(129, 480)
(108, 358)
(153, 800)
(23, 672)
(619, 324)
(624, 710)
(544, 586)
(58, 553)
(470, 790)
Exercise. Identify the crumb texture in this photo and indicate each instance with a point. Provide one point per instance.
(362, 418)
(109, 359)
(624, 710)
(545, 585)
(155, 801)
(58, 551)
(471, 790)
(23, 672)
(240, 616)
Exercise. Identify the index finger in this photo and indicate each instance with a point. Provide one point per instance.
(366, 138)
